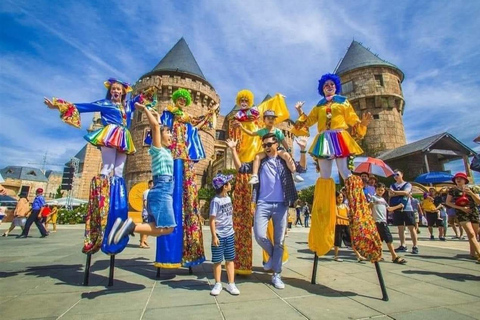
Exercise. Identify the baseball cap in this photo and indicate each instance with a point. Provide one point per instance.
(220, 180)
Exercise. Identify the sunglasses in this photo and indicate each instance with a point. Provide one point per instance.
(268, 144)
(396, 174)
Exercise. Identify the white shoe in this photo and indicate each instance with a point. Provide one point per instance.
(277, 281)
(297, 177)
(217, 288)
(124, 231)
(232, 289)
(268, 265)
(253, 179)
(114, 229)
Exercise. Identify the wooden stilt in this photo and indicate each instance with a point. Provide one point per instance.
(86, 273)
(382, 283)
(158, 273)
(190, 270)
(112, 268)
(314, 271)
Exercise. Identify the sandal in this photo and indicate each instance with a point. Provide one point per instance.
(399, 260)
(144, 245)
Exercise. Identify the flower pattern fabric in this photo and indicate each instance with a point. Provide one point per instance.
(365, 237)
(96, 218)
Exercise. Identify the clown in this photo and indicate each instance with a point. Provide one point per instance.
(107, 194)
(184, 246)
(334, 115)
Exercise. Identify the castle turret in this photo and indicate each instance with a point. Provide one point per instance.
(178, 69)
(374, 85)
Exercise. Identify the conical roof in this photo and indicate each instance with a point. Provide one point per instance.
(358, 56)
(179, 59)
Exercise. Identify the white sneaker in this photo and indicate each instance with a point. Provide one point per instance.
(113, 231)
(253, 179)
(268, 265)
(124, 231)
(232, 289)
(217, 288)
(277, 281)
(297, 177)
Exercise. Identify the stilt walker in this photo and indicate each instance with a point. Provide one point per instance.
(108, 198)
(250, 118)
(184, 246)
(334, 115)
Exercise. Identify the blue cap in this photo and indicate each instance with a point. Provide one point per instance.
(220, 180)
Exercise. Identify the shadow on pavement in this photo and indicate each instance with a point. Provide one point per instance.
(447, 275)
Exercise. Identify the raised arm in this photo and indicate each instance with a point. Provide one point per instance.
(302, 143)
(154, 124)
(232, 144)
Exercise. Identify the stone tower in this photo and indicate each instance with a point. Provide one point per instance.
(178, 69)
(374, 85)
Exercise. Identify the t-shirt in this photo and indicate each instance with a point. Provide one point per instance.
(38, 203)
(221, 208)
(406, 200)
(46, 211)
(428, 205)
(342, 211)
(415, 204)
(271, 188)
(22, 208)
(278, 133)
(162, 161)
(379, 209)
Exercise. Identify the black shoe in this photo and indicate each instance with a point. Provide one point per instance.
(21, 236)
(401, 249)
(415, 250)
(432, 237)
(44, 235)
(442, 239)
(127, 228)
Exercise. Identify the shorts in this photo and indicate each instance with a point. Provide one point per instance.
(19, 221)
(342, 233)
(403, 218)
(384, 232)
(433, 221)
(452, 220)
(160, 202)
(467, 217)
(226, 249)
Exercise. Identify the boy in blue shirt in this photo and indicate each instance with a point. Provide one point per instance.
(223, 240)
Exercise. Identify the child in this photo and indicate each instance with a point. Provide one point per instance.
(432, 213)
(379, 209)
(161, 219)
(223, 240)
(341, 229)
(269, 119)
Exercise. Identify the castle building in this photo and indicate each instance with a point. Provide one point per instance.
(374, 85)
(178, 69)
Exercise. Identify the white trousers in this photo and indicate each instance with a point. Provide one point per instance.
(326, 167)
(113, 160)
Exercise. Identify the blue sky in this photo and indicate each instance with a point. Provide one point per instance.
(68, 48)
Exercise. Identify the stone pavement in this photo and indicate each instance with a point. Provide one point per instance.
(42, 279)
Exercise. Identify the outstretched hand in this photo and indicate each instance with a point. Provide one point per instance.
(139, 106)
(49, 103)
(366, 118)
(302, 142)
(298, 106)
(231, 143)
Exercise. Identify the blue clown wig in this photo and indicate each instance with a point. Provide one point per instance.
(332, 77)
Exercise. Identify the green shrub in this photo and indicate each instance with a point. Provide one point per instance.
(76, 215)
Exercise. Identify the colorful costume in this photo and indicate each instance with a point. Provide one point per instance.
(184, 246)
(108, 198)
(333, 116)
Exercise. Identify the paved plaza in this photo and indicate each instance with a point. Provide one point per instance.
(42, 279)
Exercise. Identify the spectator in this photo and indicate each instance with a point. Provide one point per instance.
(298, 210)
(143, 236)
(19, 214)
(34, 217)
(417, 210)
(400, 193)
(306, 215)
(431, 207)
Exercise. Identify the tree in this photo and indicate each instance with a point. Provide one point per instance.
(59, 193)
(306, 195)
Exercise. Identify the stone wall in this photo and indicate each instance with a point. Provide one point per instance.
(204, 97)
(377, 90)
